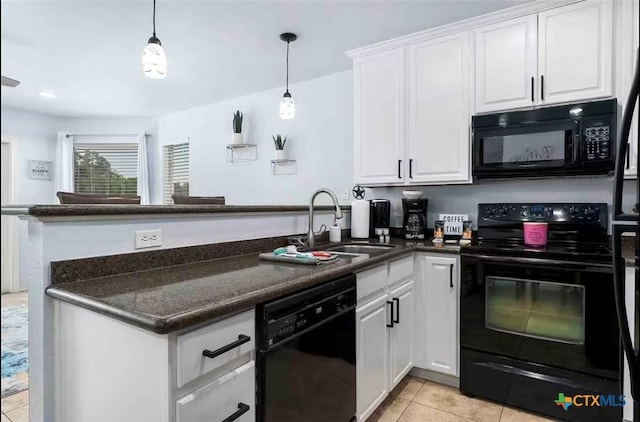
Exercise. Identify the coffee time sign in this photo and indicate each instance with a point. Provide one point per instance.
(453, 223)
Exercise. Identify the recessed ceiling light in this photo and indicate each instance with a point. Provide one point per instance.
(47, 94)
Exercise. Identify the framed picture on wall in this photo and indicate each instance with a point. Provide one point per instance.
(40, 170)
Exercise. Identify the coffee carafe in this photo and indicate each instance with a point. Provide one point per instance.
(415, 218)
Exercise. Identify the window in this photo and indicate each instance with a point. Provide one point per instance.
(106, 169)
(175, 169)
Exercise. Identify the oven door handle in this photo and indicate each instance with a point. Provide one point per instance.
(522, 260)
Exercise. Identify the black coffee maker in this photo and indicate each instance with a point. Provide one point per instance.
(379, 215)
(415, 218)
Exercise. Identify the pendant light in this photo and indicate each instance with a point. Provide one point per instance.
(287, 106)
(154, 60)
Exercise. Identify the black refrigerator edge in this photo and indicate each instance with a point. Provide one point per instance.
(627, 223)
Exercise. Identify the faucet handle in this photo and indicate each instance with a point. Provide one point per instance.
(323, 228)
(299, 241)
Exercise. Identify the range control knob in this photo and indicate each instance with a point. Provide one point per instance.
(492, 211)
(588, 211)
(573, 211)
(504, 210)
(524, 212)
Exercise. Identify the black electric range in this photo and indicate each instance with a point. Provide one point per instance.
(537, 322)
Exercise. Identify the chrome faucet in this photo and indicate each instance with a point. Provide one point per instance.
(311, 238)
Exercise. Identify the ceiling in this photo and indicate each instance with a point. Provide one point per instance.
(89, 52)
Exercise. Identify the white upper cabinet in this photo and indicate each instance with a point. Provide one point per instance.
(575, 47)
(438, 110)
(379, 117)
(505, 66)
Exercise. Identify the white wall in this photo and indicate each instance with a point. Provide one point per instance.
(34, 138)
(319, 138)
(464, 199)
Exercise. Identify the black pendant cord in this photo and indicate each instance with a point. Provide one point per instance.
(154, 18)
(287, 83)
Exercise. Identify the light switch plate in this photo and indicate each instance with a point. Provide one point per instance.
(148, 239)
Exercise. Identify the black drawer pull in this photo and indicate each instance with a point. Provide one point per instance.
(399, 162)
(242, 409)
(242, 339)
(410, 168)
(628, 163)
(391, 324)
(397, 318)
(542, 86)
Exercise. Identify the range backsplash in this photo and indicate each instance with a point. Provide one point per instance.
(464, 199)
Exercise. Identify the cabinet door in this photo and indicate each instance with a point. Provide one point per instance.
(575, 45)
(231, 394)
(441, 303)
(506, 64)
(401, 334)
(372, 355)
(438, 124)
(378, 108)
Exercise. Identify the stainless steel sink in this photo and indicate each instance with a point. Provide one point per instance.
(360, 249)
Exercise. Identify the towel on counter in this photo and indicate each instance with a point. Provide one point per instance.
(269, 256)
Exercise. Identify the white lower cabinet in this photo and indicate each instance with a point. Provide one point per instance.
(232, 395)
(630, 304)
(385, 321)
(441, 321)
(372, 355)
(401, 334)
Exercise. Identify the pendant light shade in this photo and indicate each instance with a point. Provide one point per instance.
(287, 106)
(154, 59)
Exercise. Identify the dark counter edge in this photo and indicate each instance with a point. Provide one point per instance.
(95, 209)
(197, 317)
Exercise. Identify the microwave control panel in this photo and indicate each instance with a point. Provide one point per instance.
(597, 143)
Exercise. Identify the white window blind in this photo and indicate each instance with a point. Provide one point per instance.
(106, 169)
(175, 165)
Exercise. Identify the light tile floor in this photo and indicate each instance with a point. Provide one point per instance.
(15, 408)
(416, 400)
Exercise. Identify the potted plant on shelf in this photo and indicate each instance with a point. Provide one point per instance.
(280, 142)
(237, 128)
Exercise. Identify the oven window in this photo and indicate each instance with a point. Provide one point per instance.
(550, 311)
(524, 148)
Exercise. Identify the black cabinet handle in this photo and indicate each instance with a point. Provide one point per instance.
(532, 96)
(410, 166)
(397, 318)
(399, 161)
(627, 166)
(242, 409)
(391, 319)
(242, 339)
(451, 275)
(542, 86)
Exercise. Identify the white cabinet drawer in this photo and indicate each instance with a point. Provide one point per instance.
(216, 401)
(400, 269)
(191, 363)
(372, 280)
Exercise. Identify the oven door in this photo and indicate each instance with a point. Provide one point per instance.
(555, 313)
(534, 150)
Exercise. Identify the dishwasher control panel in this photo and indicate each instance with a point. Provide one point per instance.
(311, 314)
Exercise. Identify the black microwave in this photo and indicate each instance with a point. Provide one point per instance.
(567, 140)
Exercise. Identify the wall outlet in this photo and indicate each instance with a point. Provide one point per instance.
(148, 239)
(346, 195)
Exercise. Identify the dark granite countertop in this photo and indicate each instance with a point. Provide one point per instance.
(168, 299)
(98, 209)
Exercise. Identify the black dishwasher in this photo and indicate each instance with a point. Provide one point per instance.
(306, 363)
